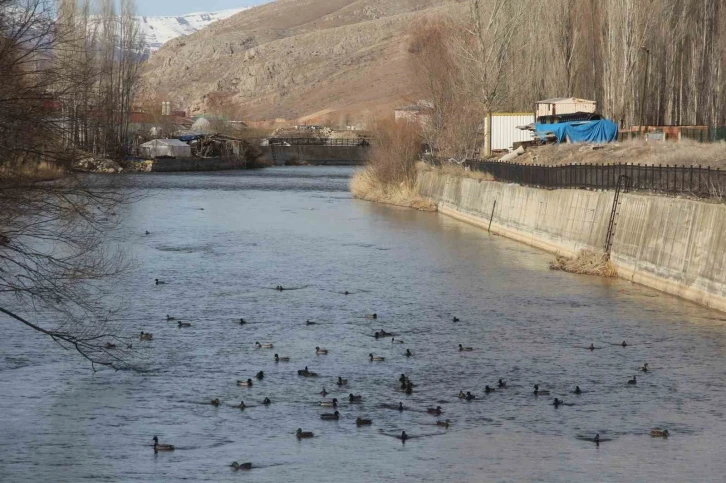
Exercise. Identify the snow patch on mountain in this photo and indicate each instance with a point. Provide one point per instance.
(159, 30)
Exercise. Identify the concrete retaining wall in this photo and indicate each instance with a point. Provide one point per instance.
(674, 245)
(316, 155)
(185, 164)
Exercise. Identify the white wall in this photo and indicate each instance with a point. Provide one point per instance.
(504, 129)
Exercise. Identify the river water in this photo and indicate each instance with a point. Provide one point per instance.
(223, 241)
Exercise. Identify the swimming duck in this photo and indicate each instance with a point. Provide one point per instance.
(633, 381)
(242, 405)
(470, 396)
(169, 317)
(260, 376)
(215, 402)
(244, 466)
(443, 423)
(184, 324)
(578, 390)
(488, 389)
(373, 316)
(281, 359)
(658, 433)
(376, 358)
(501, 384)
(556, 403)
(109, 345)
(266, 401)
(403, 436)
(158, 282)
(455, 319)
(596, 439)
(462, 395)
(303, 434)
(162, 447)
(436, 410)
(363, 422)
(346, 293)
(263, 346)
(400, 407)
(537, 391)
(342, 382)
(318, 350)
(624, 344)
(330, 404)
(592, 347)
(247, 383)
(353, 398)
(408, 353)
(279, 288)
(465, 349)
(403, 378)
(409, 389)
(307, 322)
(242, 321)
(323, 392)
(645, 367)
(146, 336)
(394, 341)
(329, 417)
(147, 232)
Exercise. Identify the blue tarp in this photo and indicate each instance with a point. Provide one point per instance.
(189, 137)
(603, 131)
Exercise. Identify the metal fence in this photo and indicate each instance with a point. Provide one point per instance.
(318, 142)
(697, 181)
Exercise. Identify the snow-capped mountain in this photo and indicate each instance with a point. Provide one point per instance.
(159, 30)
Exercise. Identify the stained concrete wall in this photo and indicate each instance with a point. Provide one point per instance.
(316, 155)
(674, 245)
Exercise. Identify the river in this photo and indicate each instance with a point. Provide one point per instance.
(224, 241)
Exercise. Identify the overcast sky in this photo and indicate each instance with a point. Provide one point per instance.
(181, 7)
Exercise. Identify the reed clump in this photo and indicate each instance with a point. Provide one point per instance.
(587, 262)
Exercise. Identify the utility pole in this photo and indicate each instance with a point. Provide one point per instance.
(645, 85)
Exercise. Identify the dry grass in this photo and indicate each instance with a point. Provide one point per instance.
(685, 152)
(587, 262)
(452, 169)
(35, 171)
(366, 185)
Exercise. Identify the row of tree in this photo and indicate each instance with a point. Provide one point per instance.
(652, 62)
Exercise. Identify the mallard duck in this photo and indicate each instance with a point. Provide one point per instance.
(624, 344)
(403, 436)
(501, 384)
(488, 389)
(455, 319)
(633, 381)
(409, 389)
(400, 407)
(242, 321)
(363, 422)
(318, 350)
(109, 346)
(329, 416)
(443, 423)
(462, 395)
(372, 316)
(537, 391)
(346, 293)
(244, 466)
(281, 359)
(596, 439)
(376, 358)
(408, 353)
(247, 383)
(146, 336)
(260, 376)
(645, 367)
(465, 349)
(557, 402)
(470, 396)
(353, 398)
(394, 341)
(303, 434)
(242, 405)
(436, 410)
(279, 288)
(403, 378)
(169, 317)
(578, 390)
(659, 433)
(342, 382)
(324, 392)
(263, 346)
(307, 322)
(162, 447)
(266, 401)
(592, 347)
(184, 324)
(159, 282)
(330, 404)
(215, 402)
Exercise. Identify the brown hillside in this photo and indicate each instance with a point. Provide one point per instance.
(343, 61)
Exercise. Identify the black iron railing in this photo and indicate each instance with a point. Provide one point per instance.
(703, 182)
(317, 142)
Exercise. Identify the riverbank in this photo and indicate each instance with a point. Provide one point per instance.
(670, 244)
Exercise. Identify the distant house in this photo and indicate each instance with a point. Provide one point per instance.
(166, 148)
(564, 105)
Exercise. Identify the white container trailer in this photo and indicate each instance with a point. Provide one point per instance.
(504, 129)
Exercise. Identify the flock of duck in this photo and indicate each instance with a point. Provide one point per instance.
(406, 386)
